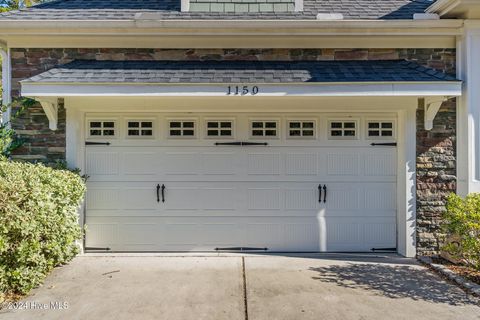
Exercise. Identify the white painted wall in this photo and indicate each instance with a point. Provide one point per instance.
(468, 109)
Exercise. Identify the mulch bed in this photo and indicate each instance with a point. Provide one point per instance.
(466, 272)
(6, 298)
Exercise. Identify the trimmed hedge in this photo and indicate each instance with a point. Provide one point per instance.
(38, 223)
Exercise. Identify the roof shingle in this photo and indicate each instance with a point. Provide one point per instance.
(170, 9)
(92, 71)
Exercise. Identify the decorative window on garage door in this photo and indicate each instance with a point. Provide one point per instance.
(101, 128)
(380, 129)
(264, 128)
(303, 129)
(181, 128)
(342, 129)
(139, 128)
(219, 128)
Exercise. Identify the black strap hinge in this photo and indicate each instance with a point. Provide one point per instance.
(241, 249)
(384, 249)
(386, 144)
(241, 143)
(96, 249)
(90, 143)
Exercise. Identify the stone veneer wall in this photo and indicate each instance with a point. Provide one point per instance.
(435, 149)
(436, 175)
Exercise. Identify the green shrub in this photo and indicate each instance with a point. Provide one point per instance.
(9, 140)
(38, 222)
(462, 222)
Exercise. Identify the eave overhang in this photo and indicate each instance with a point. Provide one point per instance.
(231, 33)
(434, 93)
(61, 26)
(342, 89)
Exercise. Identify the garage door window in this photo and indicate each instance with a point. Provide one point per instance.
(264, 128)
(139, 129)
(219, 128)
(181, 129)
(380, 129)
(98, 128)
(343, 129)
(301, 129)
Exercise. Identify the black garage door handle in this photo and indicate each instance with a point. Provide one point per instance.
(158, 192)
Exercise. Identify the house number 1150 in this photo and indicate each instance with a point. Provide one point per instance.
(242, 90)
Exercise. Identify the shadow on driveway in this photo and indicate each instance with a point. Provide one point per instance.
(393, 282)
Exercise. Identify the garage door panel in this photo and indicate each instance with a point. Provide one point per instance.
(220, 235)
(274, 233)
(342, 231)
(273, 164)
(138, 198)
(181, 163)
(301, 199)
(144, 235)
(302, 236)
(220, 163)
(102, 198)
(301, 164)
(265, 235)
(380, 164)
(280, 234)
(102, 163)
(263, 164)
(140, 163)
(379, 233)
(176, 233)
(342, 197)
(343, 164)
(360, 234)
(219, 198)
(380, 197)
(182, 198)
(264, 198)
(365, 199)
(241, 196)
(205, 234)
(102, 233)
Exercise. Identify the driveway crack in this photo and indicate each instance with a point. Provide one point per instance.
(245, 298)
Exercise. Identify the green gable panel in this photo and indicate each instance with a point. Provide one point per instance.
(242, 6)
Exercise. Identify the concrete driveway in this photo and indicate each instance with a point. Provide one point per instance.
(320, 286)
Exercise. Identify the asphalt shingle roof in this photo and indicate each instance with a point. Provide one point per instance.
(170, 9)
(92, 71)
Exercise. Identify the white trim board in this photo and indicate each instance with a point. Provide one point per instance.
(34, 89)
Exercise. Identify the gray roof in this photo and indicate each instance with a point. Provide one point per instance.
(170, 9)
(92, 71)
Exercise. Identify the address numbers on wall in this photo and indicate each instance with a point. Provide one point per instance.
(242, 90)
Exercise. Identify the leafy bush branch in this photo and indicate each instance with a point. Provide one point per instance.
(7, 5)
(9, 140)
(38, 223)
(462, 224)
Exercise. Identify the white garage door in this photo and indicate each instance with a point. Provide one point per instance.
(177, 182)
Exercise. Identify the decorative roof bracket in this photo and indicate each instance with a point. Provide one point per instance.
(432, 106)
(50, 106)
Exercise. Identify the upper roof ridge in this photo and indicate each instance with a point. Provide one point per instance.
(171, 9)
